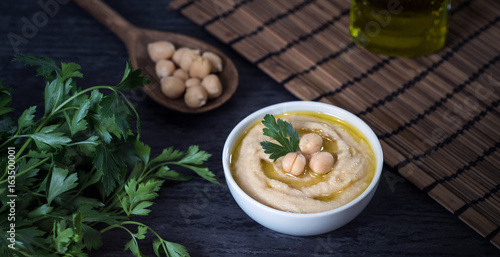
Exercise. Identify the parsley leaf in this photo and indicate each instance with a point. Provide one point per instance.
(132, 79)
(45, 65)
(114, 110)
(91, 237)
(78, 122)
(168, 154)
(5, 99)
(31, 237)
(40, 211)
(60, 182)
(46, 139)
(166, 173)
(168, 248)
(105, 127)
(70, 70)
(133, 245)
(139, 195)
(62, 236)
(281, 131)
(143, 151)
(26, 119)
(193, 160)
(107, 165)
(56, 92)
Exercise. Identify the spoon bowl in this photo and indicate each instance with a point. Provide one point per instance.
(136, 41)
(228, 76)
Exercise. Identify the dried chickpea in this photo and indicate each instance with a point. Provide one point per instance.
(178, 54)
(188, 58)
(294, 163)
(214, 60)
(212, 84)
(195, 96)
(160, 50)
(200, 68)
(193, 82)
(321, 162)
(172, 87)
(182, 74)
(164, 68)
(310, 143)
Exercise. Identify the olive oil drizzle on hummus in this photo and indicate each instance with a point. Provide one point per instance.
(308, 178)
(302, 185)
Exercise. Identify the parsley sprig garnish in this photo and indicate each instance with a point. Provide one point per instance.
(81, 168)
(281, 131)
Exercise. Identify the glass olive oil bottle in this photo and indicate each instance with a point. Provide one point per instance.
(406, 28)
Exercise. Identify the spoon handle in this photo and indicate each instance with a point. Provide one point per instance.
(108, 17)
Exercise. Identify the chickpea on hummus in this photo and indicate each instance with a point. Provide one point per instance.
(312, 189)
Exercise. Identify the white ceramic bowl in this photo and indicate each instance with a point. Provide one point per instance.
(301, 224)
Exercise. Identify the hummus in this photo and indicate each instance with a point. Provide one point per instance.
(266, 182)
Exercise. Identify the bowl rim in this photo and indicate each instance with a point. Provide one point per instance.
(283, 107)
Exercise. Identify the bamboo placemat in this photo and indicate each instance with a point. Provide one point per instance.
(437, 116)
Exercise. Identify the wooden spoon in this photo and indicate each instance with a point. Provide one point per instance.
(136, 41)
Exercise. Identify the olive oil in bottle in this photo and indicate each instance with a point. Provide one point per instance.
(406, 28)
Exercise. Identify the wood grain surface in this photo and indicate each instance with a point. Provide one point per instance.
(401, 220)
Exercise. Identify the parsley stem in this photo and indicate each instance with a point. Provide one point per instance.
(83, 142)
(25, 189)
(8, 140)
(164, 164)
(23, 147)
(69, 108)
(25, 171)
(138, 121)
(56, 110)
(32, 167)
(147, 171)
(150, 229)
(140, 224)
(23, 253)
(111, 227)
(115, 200)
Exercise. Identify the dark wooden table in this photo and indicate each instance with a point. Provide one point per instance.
(400, 220)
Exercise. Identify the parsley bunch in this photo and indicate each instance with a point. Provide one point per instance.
(81, 168)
